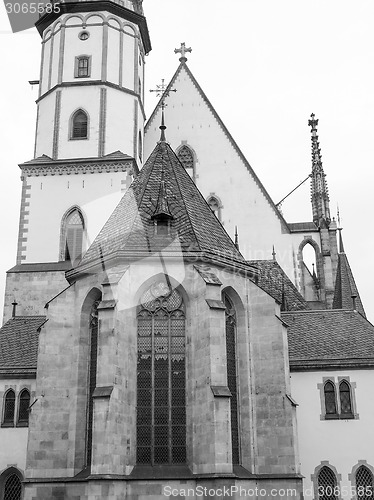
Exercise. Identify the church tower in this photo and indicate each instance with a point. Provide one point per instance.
(89, 136)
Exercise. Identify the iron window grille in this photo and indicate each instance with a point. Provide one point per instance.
(12, 487)
(161, 374)
(364, 484)
(327, 484)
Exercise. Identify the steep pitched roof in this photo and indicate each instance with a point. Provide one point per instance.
(345, 287)
(19, 344)
(129, 232)
(329, 339)
(273, 280)
(183, 67)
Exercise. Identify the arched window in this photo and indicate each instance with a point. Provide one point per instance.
(10, 484)
(364, 483)
(215, 206)
(74, 228)
(93, 338)
(327, 484)
(232, 375)
(187, 159)
(345, 399)
(330, 399)
(9, 408)
(140, 146)
(23, 407)
(79, 125)
(161, 393)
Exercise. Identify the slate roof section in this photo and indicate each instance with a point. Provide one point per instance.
(345, 287)
(171, 84)
(274, 281)
(195, 230)
(299, 227)
(19, 345)
(327, 339)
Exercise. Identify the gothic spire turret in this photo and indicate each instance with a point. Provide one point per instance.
(319, 190)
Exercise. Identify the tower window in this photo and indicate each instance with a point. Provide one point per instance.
(79, 126)
(23, 408)
(82, 67)
(161, 393)
(84, 35)
(9, 408)
(74, 236)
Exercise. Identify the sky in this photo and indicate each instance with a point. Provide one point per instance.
(265, 65)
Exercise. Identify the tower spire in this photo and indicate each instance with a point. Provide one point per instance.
(319, 190)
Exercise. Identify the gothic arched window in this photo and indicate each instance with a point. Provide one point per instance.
(9, 408)
(345, 399)
(161, 378)
(326, 484)
(232, 376)
(330, 398)
(215, 206)
(10, 484)
(79, 125)
(364, 483)
(23, 407)
(93, 338)
(73, 236)
(187, 159)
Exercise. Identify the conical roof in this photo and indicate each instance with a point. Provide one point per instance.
(345, 287)
(194, 229)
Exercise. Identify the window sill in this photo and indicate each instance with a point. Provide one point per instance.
(347, 416)
(78, 138)
(7, 424)
(22, 424)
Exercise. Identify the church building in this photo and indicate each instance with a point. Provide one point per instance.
(149, 349)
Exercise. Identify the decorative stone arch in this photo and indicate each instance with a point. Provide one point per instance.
(314, 478)
(127, 28)
(68, 19)
(47, 34)
(215, 205)
(71, 124)
(352, 477)
(87, 17)
(190, 163)
(11, 477)
(63, 229)
(319, 264)
(115, 23)
(56, 27)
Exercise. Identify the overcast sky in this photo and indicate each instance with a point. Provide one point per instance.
(265, 65)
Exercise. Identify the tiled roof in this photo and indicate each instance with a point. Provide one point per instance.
(273, 280)
(329, 339)
(19, 344)
(345, 287)
(44, 159)
(296, 227)
(129, 232)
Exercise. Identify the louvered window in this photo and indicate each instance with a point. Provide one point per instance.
(79, 125)
(23, 409)
(327, 489)
(364, 484)
(74, 237)
(161, 393)
(345, 399)
(9, 407)
(330, 399)
(12, 488)
(93, 334)
(232, 376)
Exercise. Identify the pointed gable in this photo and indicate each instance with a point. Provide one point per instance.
(129, 232)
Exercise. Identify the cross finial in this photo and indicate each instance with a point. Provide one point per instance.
(182, 51)
(313, 122)
(163, 91)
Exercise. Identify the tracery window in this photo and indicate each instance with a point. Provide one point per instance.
(330, 399)
(186, 157)
(23, 407)
(79, 125)
(9, 408)
(74, 236)
(232, 376)
(327, 484)
(364, 483)
(161, 367)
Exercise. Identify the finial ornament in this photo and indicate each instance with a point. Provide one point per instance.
(236, 238)
(182, 51)
(163, 92)
(274, 254)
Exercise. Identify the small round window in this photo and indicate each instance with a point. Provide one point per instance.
(83, 35)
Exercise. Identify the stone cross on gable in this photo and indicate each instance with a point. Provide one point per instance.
(182, 51)
(163, 91)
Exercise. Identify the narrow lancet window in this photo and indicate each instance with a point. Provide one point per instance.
(79, 126)
(74, 237)
(330, 399)
(23, 408)
(9, 408)
(345, 399)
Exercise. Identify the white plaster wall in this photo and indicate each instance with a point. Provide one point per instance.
(113, 53)
(97, 195)
(45, 126)
(341, 442)
(128, 67)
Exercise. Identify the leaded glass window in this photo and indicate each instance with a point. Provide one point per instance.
(9, 407)
(161, 377)
(82, 66)
(185, 156)
(364, 484)
(232, 376)
(93, 333)
(12, 487)
(327, 484)
(79, 125)
(330, 399)
(23, 409)
(74, 236)
(345, 398)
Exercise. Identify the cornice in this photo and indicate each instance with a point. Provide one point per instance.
(76, 167)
